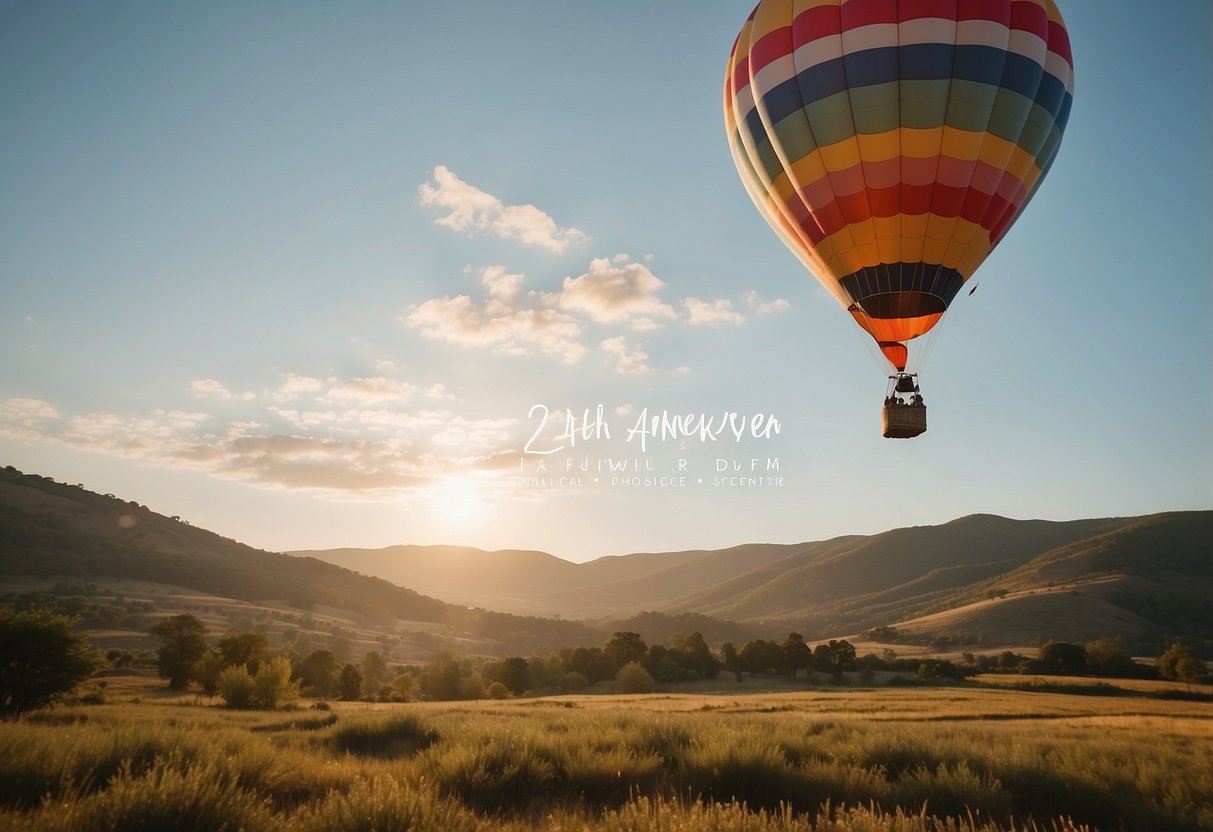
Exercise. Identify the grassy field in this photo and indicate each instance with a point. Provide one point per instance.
(881, 759)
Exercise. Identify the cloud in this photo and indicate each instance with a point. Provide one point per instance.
(24, 418)
(475, 211)
(627, 360)
(614, 290)
(501, 323)
(210, 388)
(349, 451)
(760, 307)
(703, 313)
(294, 385)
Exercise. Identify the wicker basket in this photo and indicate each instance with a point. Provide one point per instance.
(904, 421)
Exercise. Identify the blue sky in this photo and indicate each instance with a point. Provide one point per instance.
(298, 272)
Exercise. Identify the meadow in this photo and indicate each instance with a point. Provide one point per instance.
(903, 760)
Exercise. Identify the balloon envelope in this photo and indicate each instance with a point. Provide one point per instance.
(892, 143)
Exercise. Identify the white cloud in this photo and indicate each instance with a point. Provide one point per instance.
(703, 313)
(614, 291)
(294, 385)
(473, 210)
(355, 450)
(627, 360)
(502, 323)
(210, 388)
(25, 418)
(760, 307)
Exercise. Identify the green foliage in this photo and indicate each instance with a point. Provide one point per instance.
(246, 649)
(319, 672)
(206, 672)
(237, 687)
(273, 686)
(795, 653)
(625, 647)
(374, 673)
(41, 660)
(182, 644)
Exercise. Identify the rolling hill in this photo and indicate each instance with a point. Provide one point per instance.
(1145, 578)
(49, 529)
(978, 579)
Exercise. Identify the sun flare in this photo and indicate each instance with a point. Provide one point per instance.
(458, 501)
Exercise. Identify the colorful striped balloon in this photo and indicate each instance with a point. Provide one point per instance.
(892, 143)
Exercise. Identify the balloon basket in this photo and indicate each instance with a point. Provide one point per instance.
(904, 421)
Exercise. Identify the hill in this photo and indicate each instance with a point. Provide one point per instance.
(50, 530)
(1145, 578)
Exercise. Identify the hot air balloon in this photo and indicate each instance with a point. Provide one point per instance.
(891, 144)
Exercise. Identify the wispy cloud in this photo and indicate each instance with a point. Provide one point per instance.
(628, 360)
(355, 449)
(760, 307)
(711, 313)
(210, 388)
(475, 211)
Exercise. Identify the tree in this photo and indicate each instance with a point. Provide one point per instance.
(182, 644)
(243, 649)
(730, 660)
(834, 656)
(319, 671)
(443, 676)
(349, 683)
(1063, 658)
(41, 660)
(206, 672)
(1110, 657)
(374, 672)
(633, 678)
(1179, 664)
(625, 647)
(795, 653)
(515, 675)
(273, 684)
(404, 685)
(692, 653)
(760, 656)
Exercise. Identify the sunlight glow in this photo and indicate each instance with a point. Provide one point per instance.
(458, 502)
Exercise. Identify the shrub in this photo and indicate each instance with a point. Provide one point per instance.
(43, 660)
(237, 687)
(633, 678)
(273, 685)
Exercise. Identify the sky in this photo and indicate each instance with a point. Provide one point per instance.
(315, 275)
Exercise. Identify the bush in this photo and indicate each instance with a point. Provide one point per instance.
(237, 687)
(497, 691)
(633, 678)
(43, 660)
(273, 685)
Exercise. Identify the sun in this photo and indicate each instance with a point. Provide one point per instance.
(457, 501)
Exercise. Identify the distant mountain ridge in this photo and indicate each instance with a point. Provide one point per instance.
(989, 579)
(1154, 570)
